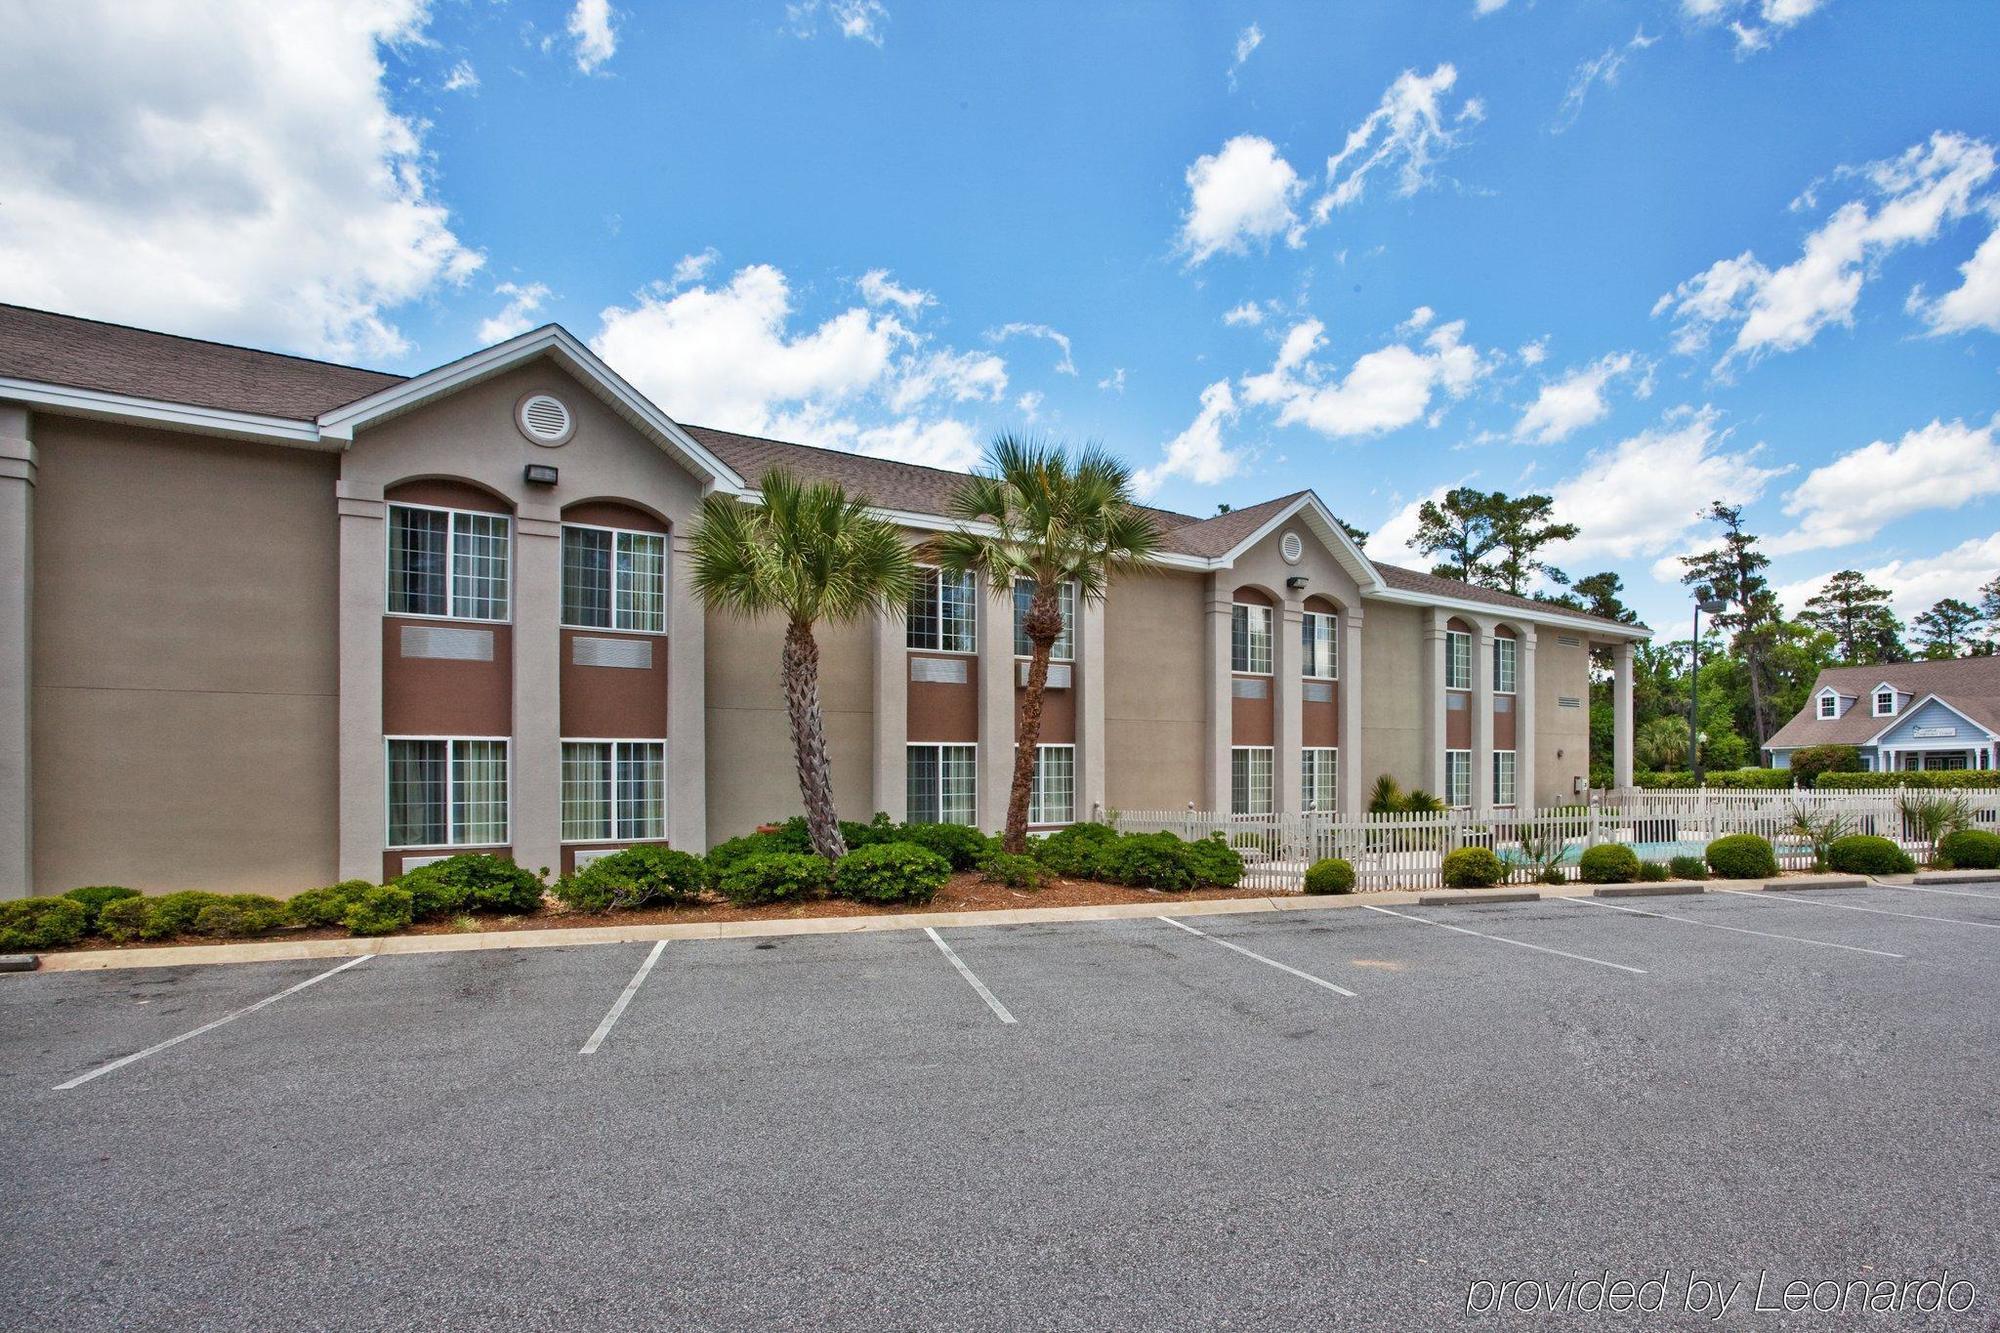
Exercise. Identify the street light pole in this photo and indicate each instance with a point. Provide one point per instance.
(1714, 606)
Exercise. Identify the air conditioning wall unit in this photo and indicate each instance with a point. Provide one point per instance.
(1059, 674)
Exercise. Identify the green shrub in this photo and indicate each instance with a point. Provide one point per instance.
(327, 906)
(642, 876)
(1421, 802)
(1215, 863)
(1812, 760)
(1862, 854)
(960, 844)
(1076, 852)
(1014, 870)
(1652, 872)
(1163, 861)
(1965, 777)
(1726, 779)
(1742, 856)
(94, 898)
(726, 856)
(1473, 868)
(891, 872)
(470, 881)
(173, 914)
(774, 877)
(1969, 849)
(1330, 875)
(1554, 875)
(1608, 863)
(1688, 867)
(878, 829)
(124, 919)
(239, 916)
(33, 925)
(380, 911)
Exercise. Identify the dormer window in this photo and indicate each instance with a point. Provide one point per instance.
(1885, 702)
(1829, 706)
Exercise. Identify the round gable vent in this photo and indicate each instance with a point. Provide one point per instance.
(1290, 547)
(544, 419)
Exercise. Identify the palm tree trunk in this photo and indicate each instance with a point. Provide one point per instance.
(801, 677)
(1044, 627)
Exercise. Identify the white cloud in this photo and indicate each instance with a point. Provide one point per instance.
(1247, 41)
(1063, 367)
(1419, 318)
(1408, 132)
(1248, 313)
(1481, 8)
(946, 443)
(1029, 405)
(1390, 541)
(1602, 69)
(1784, 309)
(463, 78)
(1534, 353)
(877, 288)
(242, 177)
(1241, 194)
(1944, 465)
(859, 20)
(1383, 390)
(1643, 495)
(1917, 584)
(517, 315)
(590, 23)
(957, 376)
(1975, 302)
(1565, 406)
(693, 268)
(1115, 381)
(1197, 453)
(1754, 23)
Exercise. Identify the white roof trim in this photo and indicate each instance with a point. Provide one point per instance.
(1554, 617)
(550, 340)
(1327, 528)
(153, 412)
(1903, 716)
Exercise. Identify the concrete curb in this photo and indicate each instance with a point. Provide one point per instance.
(17, 962)
(1807, 883)
(1459, 897)
(1648, 890)
(1957, 877)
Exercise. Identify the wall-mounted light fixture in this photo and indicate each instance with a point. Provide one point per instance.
(1296, 582)
(540, 474)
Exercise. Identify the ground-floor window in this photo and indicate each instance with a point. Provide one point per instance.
(1458, 777)
(1503, 777)
(614, 790)
(942, 784)
(1317, 769)
(1250, 780)
(447, 792)
(1052, 798)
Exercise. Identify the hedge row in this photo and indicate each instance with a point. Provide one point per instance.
(1730, 779)
(1967, 777)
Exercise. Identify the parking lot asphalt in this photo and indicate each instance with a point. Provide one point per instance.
(1179, 1128)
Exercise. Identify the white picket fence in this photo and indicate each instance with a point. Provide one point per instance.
(1406, 851)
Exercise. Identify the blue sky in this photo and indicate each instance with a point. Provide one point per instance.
(1640, 255)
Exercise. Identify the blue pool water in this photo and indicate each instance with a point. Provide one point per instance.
(1651, 851)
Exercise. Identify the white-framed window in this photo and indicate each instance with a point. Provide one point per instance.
(1052, 797)
(1065, 645)
(1457, 660)
(1319, 633)
(1885, 702)
(1250, 639)
(942, 784)
(1505, 660)
(614, 578)
(1319, 768)
(1829, 706)
(942, 615)
(1503, 777)
(449, 563)
(614, 791)
(1458, 777)
(447, 791)
(1250, 780)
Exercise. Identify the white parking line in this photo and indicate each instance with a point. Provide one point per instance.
(1538, 948)
(124, 1060)
(999, 1009)
(1740, 930)
(1817, 901)
(1953, 893)
(1268, 962)
(618, 1006)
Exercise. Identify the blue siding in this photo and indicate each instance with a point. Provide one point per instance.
(1933, 714)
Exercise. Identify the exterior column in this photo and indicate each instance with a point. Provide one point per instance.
(1288, 795)
(1221, 694)
(1092, 763)
(687, 704)
(534, 759)
(1482, 716)
(17, 574)
(1352, 761)
(1525, 799)
(892, 713)
(1434, 711)
(1621, 715)
(996, 704)
(364, 561)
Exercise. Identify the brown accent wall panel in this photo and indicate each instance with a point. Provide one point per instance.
(446, 493)
(1503, 723)
(427, 696)
(612, 514)
(946, 711)
(612, 702)
(1457, 721)
(1252, 597)
(1058, 712)
(1319, 724)
(1252, 721)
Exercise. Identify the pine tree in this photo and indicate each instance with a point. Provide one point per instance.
(1947, 629)
(1734, 573)
(1857, 614)
(1522, 526)
(1458, 533)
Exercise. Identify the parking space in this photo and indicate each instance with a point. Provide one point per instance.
(1259, 1118)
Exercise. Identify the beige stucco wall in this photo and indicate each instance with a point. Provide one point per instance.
(1561, 669)
(1155, 705)
(185, 687)
(751, 777)
(1393, 695)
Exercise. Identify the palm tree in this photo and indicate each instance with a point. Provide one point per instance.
(810, 552)
(1053, 517)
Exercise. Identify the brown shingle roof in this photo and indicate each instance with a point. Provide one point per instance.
(111, 358)
(1969, 684)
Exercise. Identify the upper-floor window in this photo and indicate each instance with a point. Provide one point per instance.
(941, 615)
(1885, 703)
(1250, 639)
(614, 579)
(1322, 655)
(447, 562)
(1065, 645)
(1457, 660)
(1504, 660)
(1829, 706)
